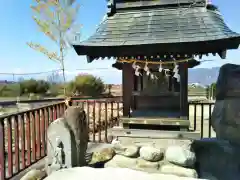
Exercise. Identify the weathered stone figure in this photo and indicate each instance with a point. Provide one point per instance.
(59, 155)
(67, 140)
(226, 116)
(219, 157)
(58, 159)
(75, 119)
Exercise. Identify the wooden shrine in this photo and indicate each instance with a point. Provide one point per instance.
(177, 31)
(161, 103)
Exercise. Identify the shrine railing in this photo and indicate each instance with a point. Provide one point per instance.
(23, 134)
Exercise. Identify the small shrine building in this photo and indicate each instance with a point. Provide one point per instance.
(154, 43)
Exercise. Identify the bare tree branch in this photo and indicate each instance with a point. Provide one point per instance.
(56, 19)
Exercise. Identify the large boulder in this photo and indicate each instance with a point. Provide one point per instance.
(217, 158)
(109, 174)
(178, 170)
(126, 150)
(121, 161)
(226, 117)
(149, 153)
(34, 174)
(102, 156)
(180, 156)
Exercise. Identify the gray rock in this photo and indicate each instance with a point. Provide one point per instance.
(225, 117)
(219, 158)
(103, 155)
(147, 166)
(109, 174)
(122, 162)
(151, 153)
(178, 170)
(208, 176)
(127, 150)
(34, 174)
(180, 156)
(131, 151)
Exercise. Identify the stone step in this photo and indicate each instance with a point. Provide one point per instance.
(157, 121)
(153, 134)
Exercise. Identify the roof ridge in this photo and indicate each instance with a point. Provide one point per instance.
(140, 4)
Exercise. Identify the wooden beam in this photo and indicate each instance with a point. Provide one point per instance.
(90, 59)
(223, 54)
(183, 90)
(127, 88)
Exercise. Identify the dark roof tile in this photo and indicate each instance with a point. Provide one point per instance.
(159, 26)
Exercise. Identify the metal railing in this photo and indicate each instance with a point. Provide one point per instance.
(23, 134)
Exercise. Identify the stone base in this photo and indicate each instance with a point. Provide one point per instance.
(217, 158)
(155, 123)
(148, 137)
(160, 158)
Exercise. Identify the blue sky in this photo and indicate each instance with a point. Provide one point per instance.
(17, 28)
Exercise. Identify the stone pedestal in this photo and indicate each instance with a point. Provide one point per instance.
(226, 117)
(217, 158)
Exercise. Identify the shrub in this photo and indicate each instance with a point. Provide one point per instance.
(10, 90)
(34, 86)
(87, 85)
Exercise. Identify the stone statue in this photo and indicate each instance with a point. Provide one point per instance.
(225, 117)
(58, 160)
(67, 140)
(59, 155)
(76, 121)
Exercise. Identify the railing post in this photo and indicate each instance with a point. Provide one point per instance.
(42, 133)
(22, 135)
(54, 112)
(202, 119)
(111, 121)
(28, 133)
(9, 152)
(210, 121)
(195, 117)
(94, 130)
(2, 150)
(38, 135)
(88, 117)
(33, 132)
(99, 122)
(16, 142)
(106, 123)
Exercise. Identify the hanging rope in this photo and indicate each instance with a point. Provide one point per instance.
(153, 62)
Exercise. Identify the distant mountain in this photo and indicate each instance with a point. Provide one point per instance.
(203, 76)
(196, 76)
(6, 82)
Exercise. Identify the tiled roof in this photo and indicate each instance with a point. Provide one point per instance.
(160, 26)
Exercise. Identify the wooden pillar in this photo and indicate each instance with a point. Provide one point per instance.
(170, 82)
(127, 88)
(183, 90)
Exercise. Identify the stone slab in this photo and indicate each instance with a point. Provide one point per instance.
(153, 134)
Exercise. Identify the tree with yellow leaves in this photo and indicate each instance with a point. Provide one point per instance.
(56, 19)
